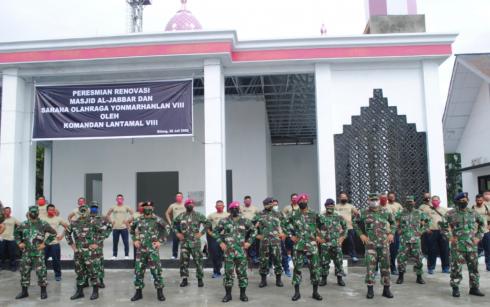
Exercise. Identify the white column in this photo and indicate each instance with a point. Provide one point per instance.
(214, 134)
(17, 152)
(324, 133)
(433, 119)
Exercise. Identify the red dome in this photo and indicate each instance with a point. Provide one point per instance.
(183, 20)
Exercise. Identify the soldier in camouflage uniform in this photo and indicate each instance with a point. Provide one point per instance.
(375, 227)
(302, 228)
(333, 231)
(2, 218)
(98, 220)
(234, 235)
(189, 227)
(269, 225)
(464, 228)
(85, 235)
(32, 236)
(411, 224)
(147, 232)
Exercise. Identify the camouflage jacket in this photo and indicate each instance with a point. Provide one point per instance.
(411, 225)
(148, 230)
(105, 227)
(304, 226)
(464, 225)
(87, 231)
(234, 232)
(33, 233)
(189, 224)
(269, 224)
(331, 227)
(375, 224)
(2, 215)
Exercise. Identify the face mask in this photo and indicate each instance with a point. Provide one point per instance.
(294, 200)
(463, 204)
(234, 212)
(189, 209)
(436, 203)
(140, 209)
(220, 209)
(303, 206)
(383, 201)
(343, 201)
(409, 206)
(41, 202)
(7, 214)
(33, 214)
(275, 208)
(81, 202)
(51, 213)
(147, 211)
(247, 202)
(330, 210)
(373, 204)
(120, 201)
(94, 210)
(179, 198)
(426, 199)
(83, 213)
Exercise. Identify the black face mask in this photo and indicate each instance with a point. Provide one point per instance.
(189, 209)
(343, 201)
(463, 204)
(234, 212)
(33, 216)
(303, 206)
(426, 199)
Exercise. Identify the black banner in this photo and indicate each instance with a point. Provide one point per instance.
(161, 108)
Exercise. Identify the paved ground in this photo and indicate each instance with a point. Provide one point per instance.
(436, 293)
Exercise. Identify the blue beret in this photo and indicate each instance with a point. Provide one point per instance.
(460, 195)
(329, 202)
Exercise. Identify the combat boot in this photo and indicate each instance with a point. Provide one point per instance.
(370, 292)
(315, 294)
(323, 282)
(227, 296)
(243, 296)
(296, 295)
(160, 295)
(137, 296)
(400, 279)
(44, 294)
(101, 284)
(279, 281)
(340, 282)
(263, 281)
(22, 294)
(456, 292)
(420, 280)
(476, 292)
(184, 282)
(386, 292)
(95, 293)
(200, 283)
(78, 294)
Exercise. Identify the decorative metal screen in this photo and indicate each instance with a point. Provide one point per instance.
(381, 152)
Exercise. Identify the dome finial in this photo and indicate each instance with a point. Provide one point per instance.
(323, 30)
(184, 2)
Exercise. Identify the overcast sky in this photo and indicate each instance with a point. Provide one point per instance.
(252, 19)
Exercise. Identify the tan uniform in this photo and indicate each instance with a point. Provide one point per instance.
(76, 215)
(248, 212)
(215, 217)
(395, 207)
(177, 209)
(119, 215)
(434, 216)
(346, 211)
(9, 224)
(43, 211)
(55, 222)
(287, 211)
(484, 211)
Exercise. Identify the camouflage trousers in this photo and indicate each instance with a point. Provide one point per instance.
(147, 258)
(410, 251)
(458, 258)
(100, 273)
(87, 267)
(187, 250)
(30, 261)
(331, 253)
(270, 251)
(373, 255)
(235, 262)
(313, 264)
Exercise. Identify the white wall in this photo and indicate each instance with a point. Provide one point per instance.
(120, 160)
(474, 141)
(353, 85)
(295, 170)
